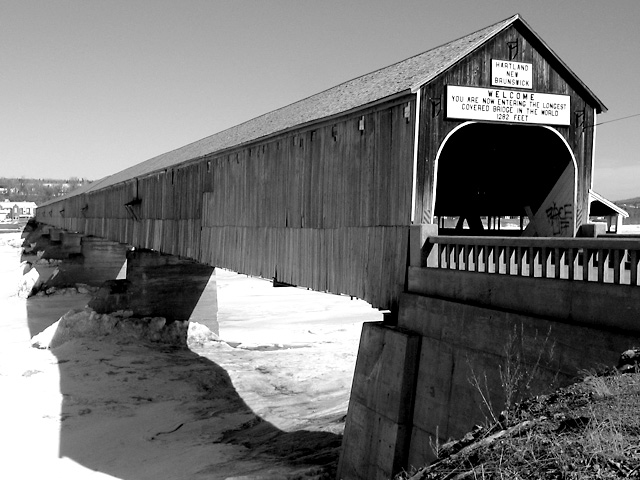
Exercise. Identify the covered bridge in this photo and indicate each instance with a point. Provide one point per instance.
(322, 193)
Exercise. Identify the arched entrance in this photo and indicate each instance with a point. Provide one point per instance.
(497, 179)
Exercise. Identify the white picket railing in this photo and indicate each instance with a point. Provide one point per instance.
(605, 260)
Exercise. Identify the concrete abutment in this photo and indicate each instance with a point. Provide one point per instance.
(378, 425)
(550, 329)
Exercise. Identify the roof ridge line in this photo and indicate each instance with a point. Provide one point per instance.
(508, 19)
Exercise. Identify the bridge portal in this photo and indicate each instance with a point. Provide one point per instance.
(487, 172)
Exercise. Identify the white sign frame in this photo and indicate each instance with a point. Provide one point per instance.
(510, 106)
(509, 74)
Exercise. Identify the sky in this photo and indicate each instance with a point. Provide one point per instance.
(89, 88)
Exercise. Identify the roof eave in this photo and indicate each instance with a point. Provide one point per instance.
(99, 184)
(506, 24)
(596, 197)
(597, 103)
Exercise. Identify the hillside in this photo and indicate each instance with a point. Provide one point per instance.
(632, 206)
(38, 190)
(629, 201)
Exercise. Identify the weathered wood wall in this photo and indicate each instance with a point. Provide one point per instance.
(325, 207)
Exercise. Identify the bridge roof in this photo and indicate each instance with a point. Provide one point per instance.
(402, 77)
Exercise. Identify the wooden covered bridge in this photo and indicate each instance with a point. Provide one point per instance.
(321, 193)
(414, 183)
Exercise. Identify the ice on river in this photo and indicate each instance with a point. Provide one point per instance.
(266, 399)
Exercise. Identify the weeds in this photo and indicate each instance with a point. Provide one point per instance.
(517, 373)
(598, 384)
(604, 438)
(435, 444)
(604, 435)
(481, 385)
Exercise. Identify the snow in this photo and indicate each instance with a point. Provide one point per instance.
(86, 323)
(630, 229)
(266, 399)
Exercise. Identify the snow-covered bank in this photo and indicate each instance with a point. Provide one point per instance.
(118, 326)
(266, 400)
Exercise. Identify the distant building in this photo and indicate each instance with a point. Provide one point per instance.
(601, 209)
(5, 210)
(16, 210)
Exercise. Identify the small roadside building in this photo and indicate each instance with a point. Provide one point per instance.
(5, 210)
(16, 210)
(605, 211)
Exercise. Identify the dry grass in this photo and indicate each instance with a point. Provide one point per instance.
(590, 430)
(523, 370)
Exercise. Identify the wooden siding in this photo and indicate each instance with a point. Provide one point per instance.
(475, 70)
(326, 207)
(555, 216)
(366, 262)
(329, 177)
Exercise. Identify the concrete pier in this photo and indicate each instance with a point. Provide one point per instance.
(159, 285)
(149, 283)
(378, 426)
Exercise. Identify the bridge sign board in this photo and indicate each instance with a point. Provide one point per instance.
(500, 105)
(511, 74)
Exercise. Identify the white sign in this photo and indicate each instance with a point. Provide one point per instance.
(505, 73)
(497, 105)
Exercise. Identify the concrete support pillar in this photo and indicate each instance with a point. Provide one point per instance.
(422, 253)
(147, 282)
(55, 244)
(159, 285)
(71, 242)
(55, 235)
(88, 260)
(378, 426)
(103, 260)
(592, 230)
(206, 309)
